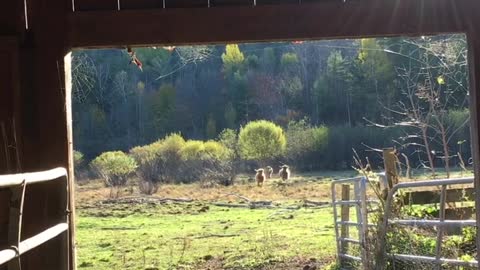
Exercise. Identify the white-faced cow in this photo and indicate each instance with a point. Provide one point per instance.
(284, 172)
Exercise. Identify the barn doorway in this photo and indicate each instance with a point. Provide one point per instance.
(165, 158)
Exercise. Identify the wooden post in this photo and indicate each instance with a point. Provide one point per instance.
(345, 216)
(473, 39)
(72, 256)
(389, 160)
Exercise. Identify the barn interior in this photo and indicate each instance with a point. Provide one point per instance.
(36, 38)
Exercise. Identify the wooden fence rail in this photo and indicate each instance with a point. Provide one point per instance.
(17, 183)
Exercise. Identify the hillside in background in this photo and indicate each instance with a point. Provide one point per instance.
(368, 93)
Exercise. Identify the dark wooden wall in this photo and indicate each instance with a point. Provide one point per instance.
(32, 79)
(32, 96)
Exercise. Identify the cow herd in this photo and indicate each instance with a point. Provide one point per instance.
(267, 173)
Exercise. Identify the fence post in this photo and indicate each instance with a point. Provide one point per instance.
(345, 216)
(389, 161)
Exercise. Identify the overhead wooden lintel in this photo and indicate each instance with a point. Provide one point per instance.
(320, 20)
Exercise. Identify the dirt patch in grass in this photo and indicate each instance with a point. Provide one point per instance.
(299, 188)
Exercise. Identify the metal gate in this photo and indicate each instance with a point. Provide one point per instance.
(361, 202)
(343, 223)
(440, 224)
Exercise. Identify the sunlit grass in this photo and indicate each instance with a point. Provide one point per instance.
(174, 236)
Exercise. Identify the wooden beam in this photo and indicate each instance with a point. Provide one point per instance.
(473, 39)
(433, 196)
(12, 17)
(71, 180)
(322, 20)
(44, 129)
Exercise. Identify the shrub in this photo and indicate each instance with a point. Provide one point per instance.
(200, 150)
(158, 162)
(114, 167)
(192, 150)
(216, 150)
(218, 164)
(148, 170)
(261, 141)
(77, 158)
(206, 161)
(170, 158)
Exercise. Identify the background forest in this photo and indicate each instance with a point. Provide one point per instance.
(408, 93)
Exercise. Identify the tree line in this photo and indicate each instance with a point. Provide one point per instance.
(410, 93)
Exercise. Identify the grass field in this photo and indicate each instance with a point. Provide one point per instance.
(198, 235)
(156, 237)
(153, 234)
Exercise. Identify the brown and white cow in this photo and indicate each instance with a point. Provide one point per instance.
(260, 177)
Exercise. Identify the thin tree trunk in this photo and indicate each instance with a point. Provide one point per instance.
(427, 149)
(348, 110)
(446, 151)
(408, 172)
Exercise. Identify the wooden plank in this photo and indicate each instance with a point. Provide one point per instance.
(44, 128)
(12, 19)
(5, 195)
(5, 157)
(42, 237)
(10, 149)
(86, 5)
(186, 3)
(460, 213)
(280, 2)
(473, 39)
(140, 4)
(231, 3)
(6, 94)
(9, 180)
(321, 20)
(33, 242)
(8, 104)
(431, 197)
(6, 255)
